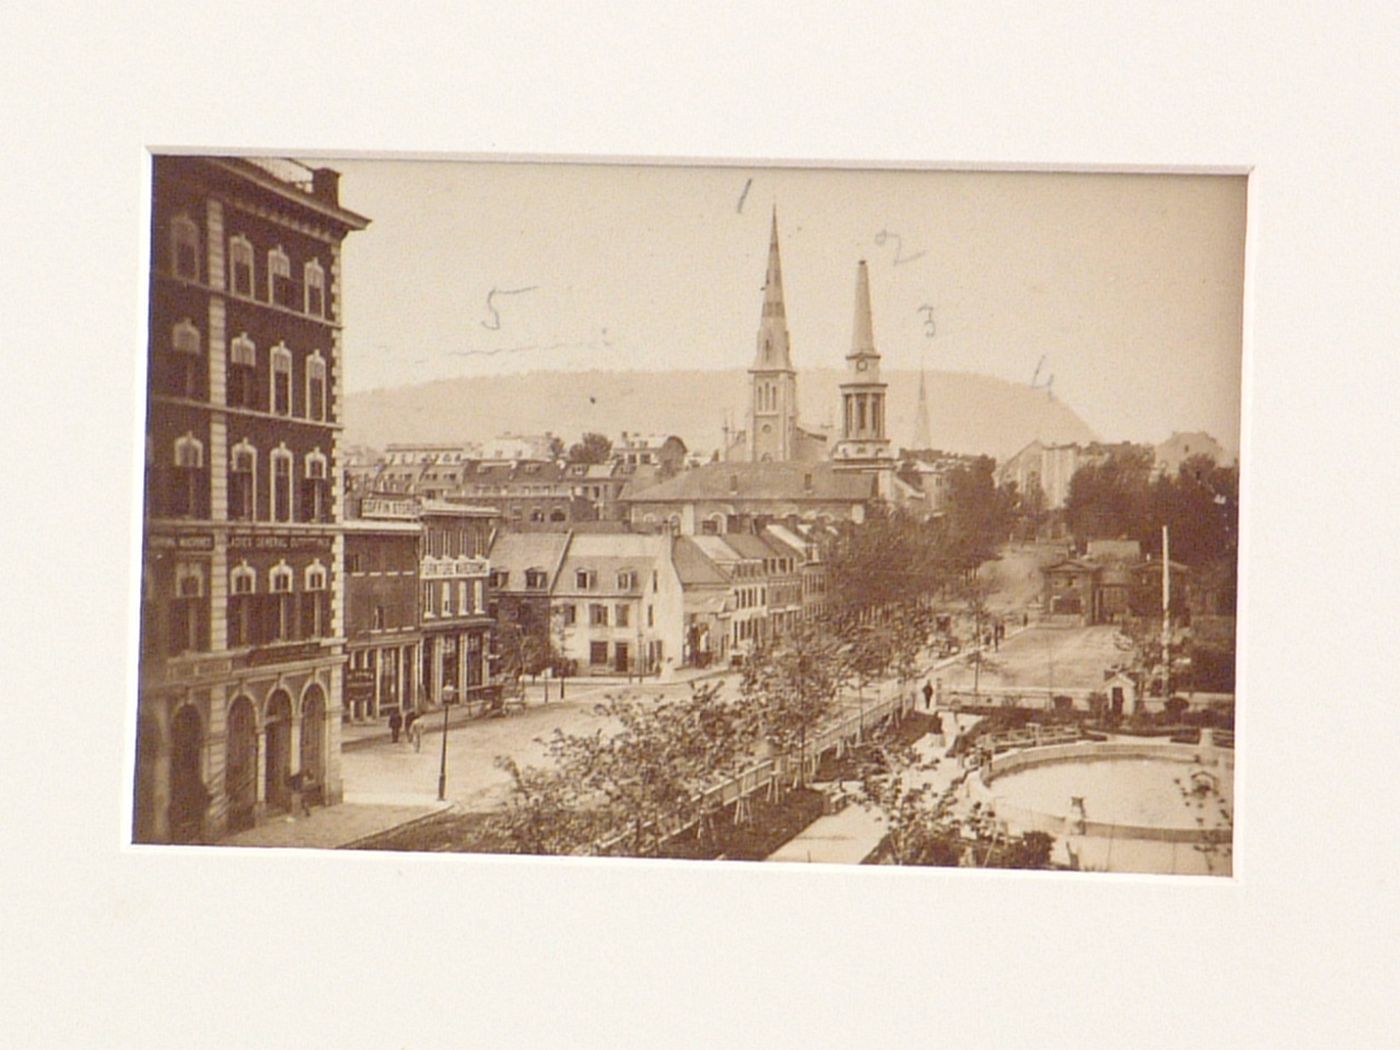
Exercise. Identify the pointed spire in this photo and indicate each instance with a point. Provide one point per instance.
(772, 352)
(863, 332)
(922, 437)
(773, 281)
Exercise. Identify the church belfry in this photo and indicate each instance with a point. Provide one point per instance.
(773, 381)
(863, 442)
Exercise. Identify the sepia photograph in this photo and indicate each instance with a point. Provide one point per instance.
(647, 526)
(777, 513)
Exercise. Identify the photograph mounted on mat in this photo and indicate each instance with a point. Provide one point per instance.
(713, 512)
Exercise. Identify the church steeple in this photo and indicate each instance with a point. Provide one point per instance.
(922, 437)
(772, 353)
(863, 439)
(773, 381)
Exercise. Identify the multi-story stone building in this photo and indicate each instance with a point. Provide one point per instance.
(242, 633)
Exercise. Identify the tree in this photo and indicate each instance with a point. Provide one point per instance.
(978, 515)
(593, 448)
(627, 787)
(790, 688)
(892, 558)
(556, 447)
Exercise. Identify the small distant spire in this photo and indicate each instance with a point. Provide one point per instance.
(923, 439)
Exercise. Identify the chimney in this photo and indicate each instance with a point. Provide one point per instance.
(325, 184)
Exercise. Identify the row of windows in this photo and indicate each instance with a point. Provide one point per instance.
(253, 619)
(305, 296)
(587, 580)
(454, 598)
(751, 597)
(183, 373)
(182, 490)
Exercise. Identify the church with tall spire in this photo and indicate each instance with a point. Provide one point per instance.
(864, 444)
(773, 433)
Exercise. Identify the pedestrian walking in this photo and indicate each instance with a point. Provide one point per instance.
(395, 724)
(415, 733)
(928, 695)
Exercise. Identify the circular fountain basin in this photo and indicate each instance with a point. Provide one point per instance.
(1132, 794)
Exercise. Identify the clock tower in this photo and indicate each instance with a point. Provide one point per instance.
(863, 442)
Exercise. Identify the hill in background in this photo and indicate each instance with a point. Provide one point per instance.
(967, 413)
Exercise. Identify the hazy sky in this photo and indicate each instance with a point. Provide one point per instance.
(1127, 289)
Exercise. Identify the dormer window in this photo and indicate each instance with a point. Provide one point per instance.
(626, 581)
(535, 579)
(184, 247)
(583, 579)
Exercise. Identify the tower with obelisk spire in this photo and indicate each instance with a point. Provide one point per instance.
(772, 379)
(864, 444)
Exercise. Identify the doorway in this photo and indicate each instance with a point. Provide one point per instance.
(241, 765)
(279, 751)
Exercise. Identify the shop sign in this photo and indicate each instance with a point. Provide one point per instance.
(359, 685)
(196, 670)
(182, 541)
(279, 542)
(439, 568)
(282, 654)
(405, 509)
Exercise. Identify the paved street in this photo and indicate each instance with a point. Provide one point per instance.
(1015, 576)
(385, 770)
(1059, 657)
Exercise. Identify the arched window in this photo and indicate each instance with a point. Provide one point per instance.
(240, 254)
(315, 488)
(281, 380)
(179, 370)
(281, 484)
(315, 601)
(242, 482)
(315, 280)
(188, 622)
(184, 247)
(186, 491)
(279, 278)
(316, 386)
(242, 586)
(278, 618)
(242, 372)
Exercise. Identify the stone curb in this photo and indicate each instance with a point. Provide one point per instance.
(449, 807)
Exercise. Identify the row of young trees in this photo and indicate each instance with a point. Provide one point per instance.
(644, 774)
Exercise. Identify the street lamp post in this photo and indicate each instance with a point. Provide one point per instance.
(447, 694)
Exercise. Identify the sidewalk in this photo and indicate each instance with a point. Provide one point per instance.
(848, 837)
(335, 827)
